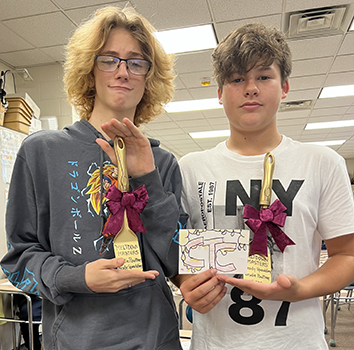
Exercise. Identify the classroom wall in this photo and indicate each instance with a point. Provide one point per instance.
(47, 91)
(350, 167)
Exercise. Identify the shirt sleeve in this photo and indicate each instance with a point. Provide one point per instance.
(336, 206)
(29, 263)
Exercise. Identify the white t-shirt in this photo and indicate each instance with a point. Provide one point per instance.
(313, 183)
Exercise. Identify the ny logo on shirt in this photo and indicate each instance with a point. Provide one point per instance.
(234, 190)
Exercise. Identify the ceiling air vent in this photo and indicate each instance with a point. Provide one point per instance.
(295, 105)
(327, 20)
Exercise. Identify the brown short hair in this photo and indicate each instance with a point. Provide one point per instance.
(87, 42)
(246, 46)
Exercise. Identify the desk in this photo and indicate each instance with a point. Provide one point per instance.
(7, 288)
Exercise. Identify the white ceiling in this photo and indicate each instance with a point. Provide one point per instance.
(33, 33)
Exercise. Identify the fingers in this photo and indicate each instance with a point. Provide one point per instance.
(284, 288)
(203, 291)
(132, 128)
(120, 262)
(284, 281)
(125, 129)
(116, 128)
(102, 276)
(130, 278)
(107, 149)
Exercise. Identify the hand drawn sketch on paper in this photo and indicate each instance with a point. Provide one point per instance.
(222, 249)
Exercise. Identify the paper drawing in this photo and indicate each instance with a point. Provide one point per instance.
(222, 249)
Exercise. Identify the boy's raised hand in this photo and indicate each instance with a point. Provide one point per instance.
(140, 160)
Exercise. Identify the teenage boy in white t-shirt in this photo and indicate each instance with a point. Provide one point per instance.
(252, 66)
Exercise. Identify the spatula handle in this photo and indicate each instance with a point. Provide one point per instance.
(266, 191)
(121, 155)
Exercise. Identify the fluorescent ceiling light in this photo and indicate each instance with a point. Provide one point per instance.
(330, 125)
(328, 143)
(207, 134)
(337, 91)
(352, 25)
(193, 105)
(187, 39)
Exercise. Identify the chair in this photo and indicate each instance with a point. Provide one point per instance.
(12, 292)
(337, 300)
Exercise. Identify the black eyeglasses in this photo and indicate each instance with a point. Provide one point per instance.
(136, 66)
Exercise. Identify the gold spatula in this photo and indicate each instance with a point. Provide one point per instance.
(126, 244)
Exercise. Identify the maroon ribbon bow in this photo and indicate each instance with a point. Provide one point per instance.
(131, 202)
(258, 221)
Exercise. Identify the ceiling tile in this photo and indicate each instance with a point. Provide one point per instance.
(292, 122)
(80, 14)
(190, 123)
(174, 137)
(57, 53)
(311, 67)
(301, 113)
(170, 14)
(339, 133)
(224, 28)
(344, 78)
(162, 126)
(162, 118)
(343, 64)
(302, 95)
(26, 58)
(9, 41)
(314, 47)
(194, 62)
(204, 92)
(334, 102)
(329, 111)
(187, 116)
(178, 83)
(214, 113)
(326, 118)
(200, 127)
(307, 82)
(10, 9)
(194, 80)
(310, 4)
(69, 4)
(227, 10)
(347, 45)
(42, 30)
(350, 110)
(219, 123)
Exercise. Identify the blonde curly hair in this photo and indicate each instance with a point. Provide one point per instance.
(87, 42)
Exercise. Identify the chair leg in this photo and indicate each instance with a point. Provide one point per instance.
(332, 342)
(180, 312)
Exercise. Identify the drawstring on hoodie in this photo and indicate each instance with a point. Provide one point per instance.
(106, 240)
(102, 216)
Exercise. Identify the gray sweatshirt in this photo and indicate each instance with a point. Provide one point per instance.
(54, 222)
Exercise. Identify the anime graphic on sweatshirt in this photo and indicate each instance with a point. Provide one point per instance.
(97, 201)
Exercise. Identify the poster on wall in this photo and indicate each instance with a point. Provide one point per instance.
(10, 142)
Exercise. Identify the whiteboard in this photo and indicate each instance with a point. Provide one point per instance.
(10, 142)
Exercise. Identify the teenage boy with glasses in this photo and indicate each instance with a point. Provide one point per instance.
(117, 76)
